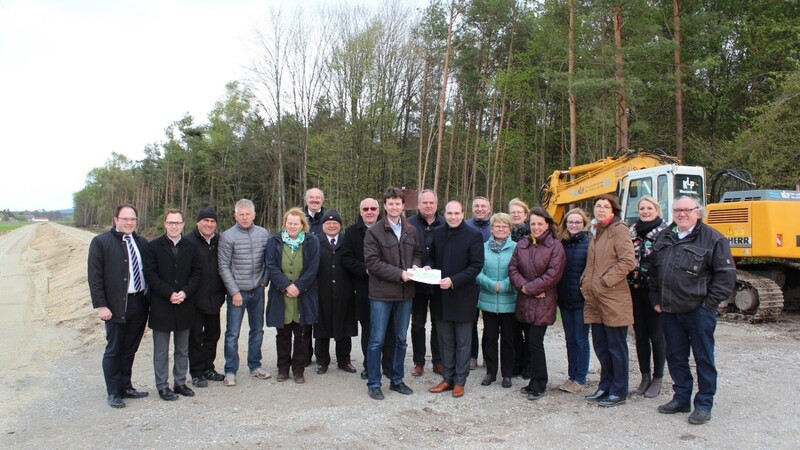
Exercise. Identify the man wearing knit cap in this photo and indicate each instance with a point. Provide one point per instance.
(337, 305)
(209, 297)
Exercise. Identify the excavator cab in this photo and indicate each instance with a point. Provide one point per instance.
(664, 183)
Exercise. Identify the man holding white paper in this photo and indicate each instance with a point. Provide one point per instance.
(457, 251)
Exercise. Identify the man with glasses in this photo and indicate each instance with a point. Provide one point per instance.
(241, 265)
(118, 288)
(173, 272)
(481, 212)
(353, 261)
(692, 272)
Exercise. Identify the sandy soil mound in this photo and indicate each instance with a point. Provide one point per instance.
(57, 264)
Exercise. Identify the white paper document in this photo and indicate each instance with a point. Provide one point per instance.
(432, 276)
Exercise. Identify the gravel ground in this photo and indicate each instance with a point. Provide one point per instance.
(56, 398)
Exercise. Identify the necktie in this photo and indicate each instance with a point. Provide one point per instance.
(136, 268)
(333, 242)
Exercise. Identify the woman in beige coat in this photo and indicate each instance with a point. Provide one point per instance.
(608, 305)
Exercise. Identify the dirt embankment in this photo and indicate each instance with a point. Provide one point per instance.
(53, 394)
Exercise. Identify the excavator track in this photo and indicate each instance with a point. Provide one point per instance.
(756, 299)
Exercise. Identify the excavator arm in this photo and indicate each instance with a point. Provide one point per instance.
(583, 182)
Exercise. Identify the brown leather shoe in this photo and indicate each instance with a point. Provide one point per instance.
(458, 391)
(438, 368)
(443, 386)
(418, 370)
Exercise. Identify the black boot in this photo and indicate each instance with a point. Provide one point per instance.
(643, 385)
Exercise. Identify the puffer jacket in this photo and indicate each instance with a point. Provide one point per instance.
(538, 268)
(604, 283)
(495, 270)
(576, 249)
(386, 258)
(241, 258)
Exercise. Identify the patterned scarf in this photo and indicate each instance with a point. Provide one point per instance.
(295, 243)
(496, 246)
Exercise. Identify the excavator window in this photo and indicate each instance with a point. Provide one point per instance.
(637, 188)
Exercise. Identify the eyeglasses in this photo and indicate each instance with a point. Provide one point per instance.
(684, 211)
(602, 206)
(580, 223)
(126, 219)
(369, 208)
(173, 224)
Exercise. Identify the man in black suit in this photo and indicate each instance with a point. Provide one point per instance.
(117, 287)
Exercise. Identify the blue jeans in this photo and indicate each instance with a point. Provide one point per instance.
(253, 302)
(695, 331)
(380, 312)
(576, 334)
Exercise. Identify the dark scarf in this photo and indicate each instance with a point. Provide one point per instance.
(497, 246)
(642, 228)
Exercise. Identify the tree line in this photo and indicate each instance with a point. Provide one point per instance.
(473, 97)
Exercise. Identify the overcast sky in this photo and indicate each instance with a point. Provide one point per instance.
(80, 79)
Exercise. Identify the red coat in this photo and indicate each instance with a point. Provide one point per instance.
(538, 268)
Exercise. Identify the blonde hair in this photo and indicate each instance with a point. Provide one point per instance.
(563, 233)
(299, 213)
(517, 202)
(651, 200)
(502, 218)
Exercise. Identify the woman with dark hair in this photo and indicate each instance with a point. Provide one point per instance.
(520, 229)
(292, 260)
(570, 300)
(646, 321)
(535, 268)
(608, 305)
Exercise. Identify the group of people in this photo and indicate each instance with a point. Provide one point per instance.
(515, 269)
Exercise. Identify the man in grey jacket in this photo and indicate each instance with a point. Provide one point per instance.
(241, 266)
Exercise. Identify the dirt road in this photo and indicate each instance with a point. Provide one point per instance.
(53, 394)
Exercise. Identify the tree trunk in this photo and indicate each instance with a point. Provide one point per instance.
(622, 105)
(443, 97)
(573, 110)
(676, 19)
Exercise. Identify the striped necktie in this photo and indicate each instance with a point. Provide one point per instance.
(135, 266)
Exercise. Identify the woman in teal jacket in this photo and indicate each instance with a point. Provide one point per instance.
(498, 300)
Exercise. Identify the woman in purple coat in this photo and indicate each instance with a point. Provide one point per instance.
(535, 269)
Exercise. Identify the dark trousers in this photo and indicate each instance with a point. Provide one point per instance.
(455, 340)
(522, 354)
(691, 331)
(649, 336)
(498, 326)
(322, 350)
(535, 335)
(473, 352)
(419, 316)
(122, 342)
(611, 348)
(203, 339)
(388, 345)
(297, 358)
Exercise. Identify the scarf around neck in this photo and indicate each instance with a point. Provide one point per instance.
(295, 243)
(642, 228)
(497, 246)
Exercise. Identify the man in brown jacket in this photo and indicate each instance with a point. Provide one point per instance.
(390, 249)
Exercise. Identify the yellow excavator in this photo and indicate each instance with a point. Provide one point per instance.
(762, 226)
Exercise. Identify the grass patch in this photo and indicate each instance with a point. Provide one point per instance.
(5, 227)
